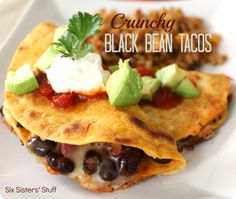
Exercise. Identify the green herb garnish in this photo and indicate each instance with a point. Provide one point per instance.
(81, 26)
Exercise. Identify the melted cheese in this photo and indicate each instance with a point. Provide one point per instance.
(78, 157)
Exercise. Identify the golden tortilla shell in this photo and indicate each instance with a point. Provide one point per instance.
(197, 116)
(147, 167)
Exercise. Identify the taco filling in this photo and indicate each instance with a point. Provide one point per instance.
(99, 166)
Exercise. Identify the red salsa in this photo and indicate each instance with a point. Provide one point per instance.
(145, 71)
(63, 100)
(164, 98)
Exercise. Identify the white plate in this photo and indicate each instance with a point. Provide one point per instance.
(211, 170)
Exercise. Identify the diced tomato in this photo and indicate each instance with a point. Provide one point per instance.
(64, 100)
(145, 71)
(41, 77)
(105, 67)
(164, 98)
(46, 89)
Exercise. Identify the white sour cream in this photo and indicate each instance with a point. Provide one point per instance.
(85, 75)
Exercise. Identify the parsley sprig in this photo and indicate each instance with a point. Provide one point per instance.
(81, 26)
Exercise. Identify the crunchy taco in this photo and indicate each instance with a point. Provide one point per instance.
(80, 134)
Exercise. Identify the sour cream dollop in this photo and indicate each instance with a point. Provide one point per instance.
(85, 75)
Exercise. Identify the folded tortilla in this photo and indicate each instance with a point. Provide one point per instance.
(195, 120)
(88, 122)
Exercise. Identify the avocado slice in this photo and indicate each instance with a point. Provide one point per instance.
(171, 75)
(113, 68)
(46, 59)
(22, 81)
(187, 89)
(150, 86)
(49, 55)
(124, 85)
(59, 32)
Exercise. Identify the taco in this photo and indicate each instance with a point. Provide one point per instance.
(102, 146)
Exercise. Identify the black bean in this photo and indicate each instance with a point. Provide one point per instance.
(91, 161)
(90, 166)
(162, 161)
(52, 159)
(59, 163)
(93, 154)
(108, 170)
(40, 147)
(128, 161)
(65, 165)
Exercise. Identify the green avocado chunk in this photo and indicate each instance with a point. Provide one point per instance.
(150, 86)
(187, 89)
(124, 85)
(113, 68)
(59, 32)
(22, 81)
(46, 59)
(170, 76)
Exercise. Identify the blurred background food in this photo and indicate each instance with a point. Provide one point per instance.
(184, 24)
